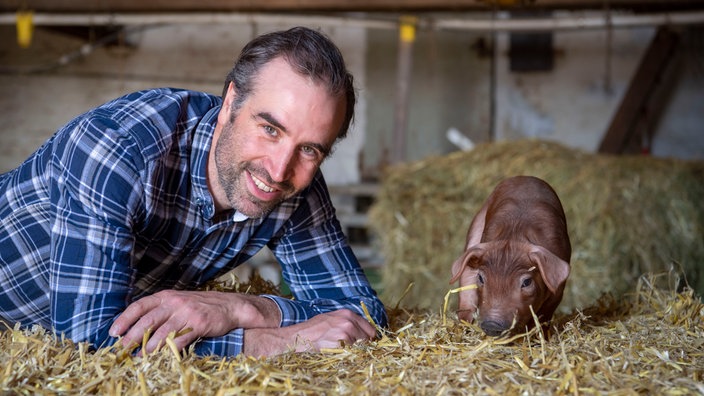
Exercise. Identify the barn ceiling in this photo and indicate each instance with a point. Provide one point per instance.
(102, 6)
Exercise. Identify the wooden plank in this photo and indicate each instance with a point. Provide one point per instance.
(332, 5)
(640, 90)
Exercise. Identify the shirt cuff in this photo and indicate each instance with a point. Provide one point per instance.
(291, 311)
(231, 344)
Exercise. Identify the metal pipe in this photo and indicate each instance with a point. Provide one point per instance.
(573, 22)
(197, 19)
(404, 66)
(559, 22)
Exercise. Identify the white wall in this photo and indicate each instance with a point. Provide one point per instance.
(575, 102)
(343, 166)
(196, 57)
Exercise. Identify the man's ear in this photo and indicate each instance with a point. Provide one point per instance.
(230, 95)
(225, 114)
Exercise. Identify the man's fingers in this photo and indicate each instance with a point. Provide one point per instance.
(182, 341)
(335, 327)
(132, 314)
(361, 325)
(145, 324)
(182, 336)
(157, 339)
(368, 328)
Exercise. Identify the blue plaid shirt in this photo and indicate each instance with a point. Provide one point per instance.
(115, 206)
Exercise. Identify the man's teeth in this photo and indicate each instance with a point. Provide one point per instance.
(260, 184)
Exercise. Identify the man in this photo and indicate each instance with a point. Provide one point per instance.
(109, 227)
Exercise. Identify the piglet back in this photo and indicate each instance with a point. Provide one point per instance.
(527, 207)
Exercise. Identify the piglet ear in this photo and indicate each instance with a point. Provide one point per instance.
(464, 270)
(470, 257)
(553, 269)
(458, 267)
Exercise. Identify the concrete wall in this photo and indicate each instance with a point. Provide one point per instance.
(575, 101)
(451, 87)
(33, 106)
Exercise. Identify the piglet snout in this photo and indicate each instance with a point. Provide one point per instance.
(494, 328)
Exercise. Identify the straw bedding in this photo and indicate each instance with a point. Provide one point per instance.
(626, 216)
(650, 342)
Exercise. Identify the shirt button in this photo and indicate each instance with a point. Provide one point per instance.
(208, 211)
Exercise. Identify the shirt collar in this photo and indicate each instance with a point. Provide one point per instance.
(239, 216)
(200, 149)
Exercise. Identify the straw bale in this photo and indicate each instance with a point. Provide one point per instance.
(626, 216)
(651, 342)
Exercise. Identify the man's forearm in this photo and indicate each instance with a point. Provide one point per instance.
(265, 342)
(204, 314)
(256, 312)
(327, 330)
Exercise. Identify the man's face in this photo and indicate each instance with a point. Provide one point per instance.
(277, 140)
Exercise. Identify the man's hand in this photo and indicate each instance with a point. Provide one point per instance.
(327, 330)
(195, 313)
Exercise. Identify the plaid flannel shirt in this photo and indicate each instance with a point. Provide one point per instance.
(115, 206)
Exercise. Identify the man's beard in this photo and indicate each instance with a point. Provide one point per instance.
(232, 176)
(233, 182)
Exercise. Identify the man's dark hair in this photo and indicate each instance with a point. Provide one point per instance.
(309, 52)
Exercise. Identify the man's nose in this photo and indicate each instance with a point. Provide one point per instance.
(282, 164)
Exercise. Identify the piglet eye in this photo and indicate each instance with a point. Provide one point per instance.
(480, 279)
(527, 282)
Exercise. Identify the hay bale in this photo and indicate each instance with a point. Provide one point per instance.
(626, 215)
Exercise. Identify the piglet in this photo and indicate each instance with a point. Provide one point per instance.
(517, 253)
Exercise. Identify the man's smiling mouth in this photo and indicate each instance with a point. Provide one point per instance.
(261, 185)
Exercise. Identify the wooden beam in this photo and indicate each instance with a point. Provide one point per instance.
(59, 6)
(644, 86)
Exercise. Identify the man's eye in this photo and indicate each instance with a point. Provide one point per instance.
(310, 151)
(270, 130)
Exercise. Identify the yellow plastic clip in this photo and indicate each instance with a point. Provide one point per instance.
(25, 28)
(407, 31)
